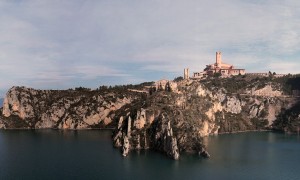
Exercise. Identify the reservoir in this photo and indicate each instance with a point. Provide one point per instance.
(89, 154)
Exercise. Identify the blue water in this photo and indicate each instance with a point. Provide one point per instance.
(50, 154)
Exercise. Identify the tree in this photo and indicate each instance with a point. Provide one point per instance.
(217, 75)
(179, 78)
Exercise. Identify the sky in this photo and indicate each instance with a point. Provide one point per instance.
(61, 44)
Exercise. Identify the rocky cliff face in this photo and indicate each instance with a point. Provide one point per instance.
(2, 125)
(288, 120)
(65, 109)
(172, 120)
(158, 135)
(176, 121)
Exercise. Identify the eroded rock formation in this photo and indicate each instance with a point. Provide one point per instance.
(65, 109)
(173, 119)
(176, 122)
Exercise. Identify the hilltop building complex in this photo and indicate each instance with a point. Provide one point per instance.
(219, 67)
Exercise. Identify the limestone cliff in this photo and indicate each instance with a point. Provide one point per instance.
(172, 120)
(176, 121)
(157, 135)
(2, 125)
(62, 109)
(288, 120)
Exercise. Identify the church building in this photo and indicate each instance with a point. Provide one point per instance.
(219, 67)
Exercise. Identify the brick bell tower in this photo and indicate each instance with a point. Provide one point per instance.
(218, 59)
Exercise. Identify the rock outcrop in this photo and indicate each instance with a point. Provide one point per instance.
(173, 118)
(156, 135)
(164, 140)
(268, 91)
(64, 109)
(176, 121)
(2, 125)
(233, 105)
(288, 120)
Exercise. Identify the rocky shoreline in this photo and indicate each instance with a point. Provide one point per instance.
(173, 118)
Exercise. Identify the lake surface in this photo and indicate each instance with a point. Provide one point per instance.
(51, 154)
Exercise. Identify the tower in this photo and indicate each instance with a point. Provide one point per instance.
(218, 59)
(186, 73)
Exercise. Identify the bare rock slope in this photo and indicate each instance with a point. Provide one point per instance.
(175, 121)
(62, 109)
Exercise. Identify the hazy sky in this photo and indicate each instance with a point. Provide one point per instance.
(62, 44)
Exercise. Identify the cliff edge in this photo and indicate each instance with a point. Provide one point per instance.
(28, 108)
(173, 117)
(176, 120)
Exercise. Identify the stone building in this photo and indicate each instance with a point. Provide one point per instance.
(186, 74)
(165, 85)
(219, 67)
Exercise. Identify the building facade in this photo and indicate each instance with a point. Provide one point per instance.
(219, 67)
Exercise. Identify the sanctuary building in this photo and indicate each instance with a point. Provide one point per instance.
(219, 67)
